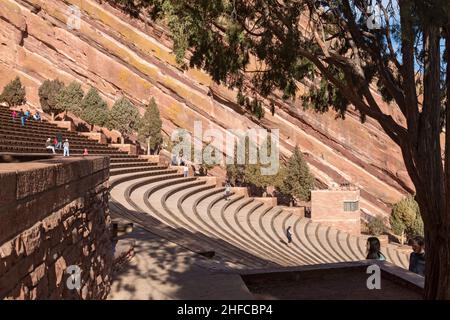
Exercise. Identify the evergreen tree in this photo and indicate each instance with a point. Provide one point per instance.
(94, 108)
(70, 98)
(150, 127)
(298, 181)
(405, 218)
(251, 174)
(341, 64)
(48, 95)
(123, 117)
(14, 93)
(236, 172)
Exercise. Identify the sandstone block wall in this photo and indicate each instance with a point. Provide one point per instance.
(327, 207)
(54, 214)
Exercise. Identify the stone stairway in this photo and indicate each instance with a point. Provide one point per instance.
(242, 232)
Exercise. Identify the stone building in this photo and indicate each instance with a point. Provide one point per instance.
(337, 207)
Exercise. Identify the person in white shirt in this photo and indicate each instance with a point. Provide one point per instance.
(66, 148)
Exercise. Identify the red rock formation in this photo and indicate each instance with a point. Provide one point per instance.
(123, 56)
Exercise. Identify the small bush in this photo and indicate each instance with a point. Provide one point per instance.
(49, 92)
(406, 218)
(13, 93)
(377, 225)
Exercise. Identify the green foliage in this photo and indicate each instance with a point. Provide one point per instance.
(377, 225)
(94, 108)
(70, 98)
(236, 173)
(298, 181)
(405, 217)
(123, 117)
(251, 174)
(14, 93)
(255, 108)
(49, 92)
(151, 125)
(210, 154)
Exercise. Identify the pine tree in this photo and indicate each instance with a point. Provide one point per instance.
(150, 127)
(48, 95)
(298, 181)
(405, 218)
(123, 117)
(342, 68)
(256, 177)
(14, 93)
(70, 98)
(94, 108)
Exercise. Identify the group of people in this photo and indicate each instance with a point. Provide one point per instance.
(58, 144)
(178, 160)
(25, 116)
(416, 258)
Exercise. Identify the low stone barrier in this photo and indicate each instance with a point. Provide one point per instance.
(299, 211)
(240, 191)
(210, 180)
(54, 219)
(130, 148)
(97, 136)
(64, 124)
(153, 158)
(270, 201)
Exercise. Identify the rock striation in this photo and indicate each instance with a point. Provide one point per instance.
(127, 56)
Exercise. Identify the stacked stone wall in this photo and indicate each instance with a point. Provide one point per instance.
(54, 219)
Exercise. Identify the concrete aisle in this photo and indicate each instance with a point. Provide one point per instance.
(161, 269)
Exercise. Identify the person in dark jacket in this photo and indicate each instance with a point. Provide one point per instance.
(417, 257)
(289, 234)
(374, 249)
(59, 141)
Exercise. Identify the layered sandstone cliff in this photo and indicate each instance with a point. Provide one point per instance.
(124, 56)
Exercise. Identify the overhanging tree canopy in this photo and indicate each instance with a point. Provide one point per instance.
(329, 46)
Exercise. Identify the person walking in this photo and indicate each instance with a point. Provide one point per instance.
(66, 148)
(227, 191)
(59, 141)
(49, 145)
(22, 117)
(374, 249)
(186, 170)
(37, 116)
(289, 235)
(14, 115)
(417, 257)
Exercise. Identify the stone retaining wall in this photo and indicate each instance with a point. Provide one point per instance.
(54, 214)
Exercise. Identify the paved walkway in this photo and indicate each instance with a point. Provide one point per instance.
(162, 270)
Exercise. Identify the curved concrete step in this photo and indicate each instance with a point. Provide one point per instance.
(242, 220)
(265, 233)
(202, 204)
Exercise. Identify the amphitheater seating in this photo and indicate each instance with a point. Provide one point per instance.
(243, 232)
(246, 233)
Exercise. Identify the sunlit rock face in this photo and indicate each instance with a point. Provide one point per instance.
(123, 56)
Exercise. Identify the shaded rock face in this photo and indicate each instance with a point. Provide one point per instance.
(123, 56)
